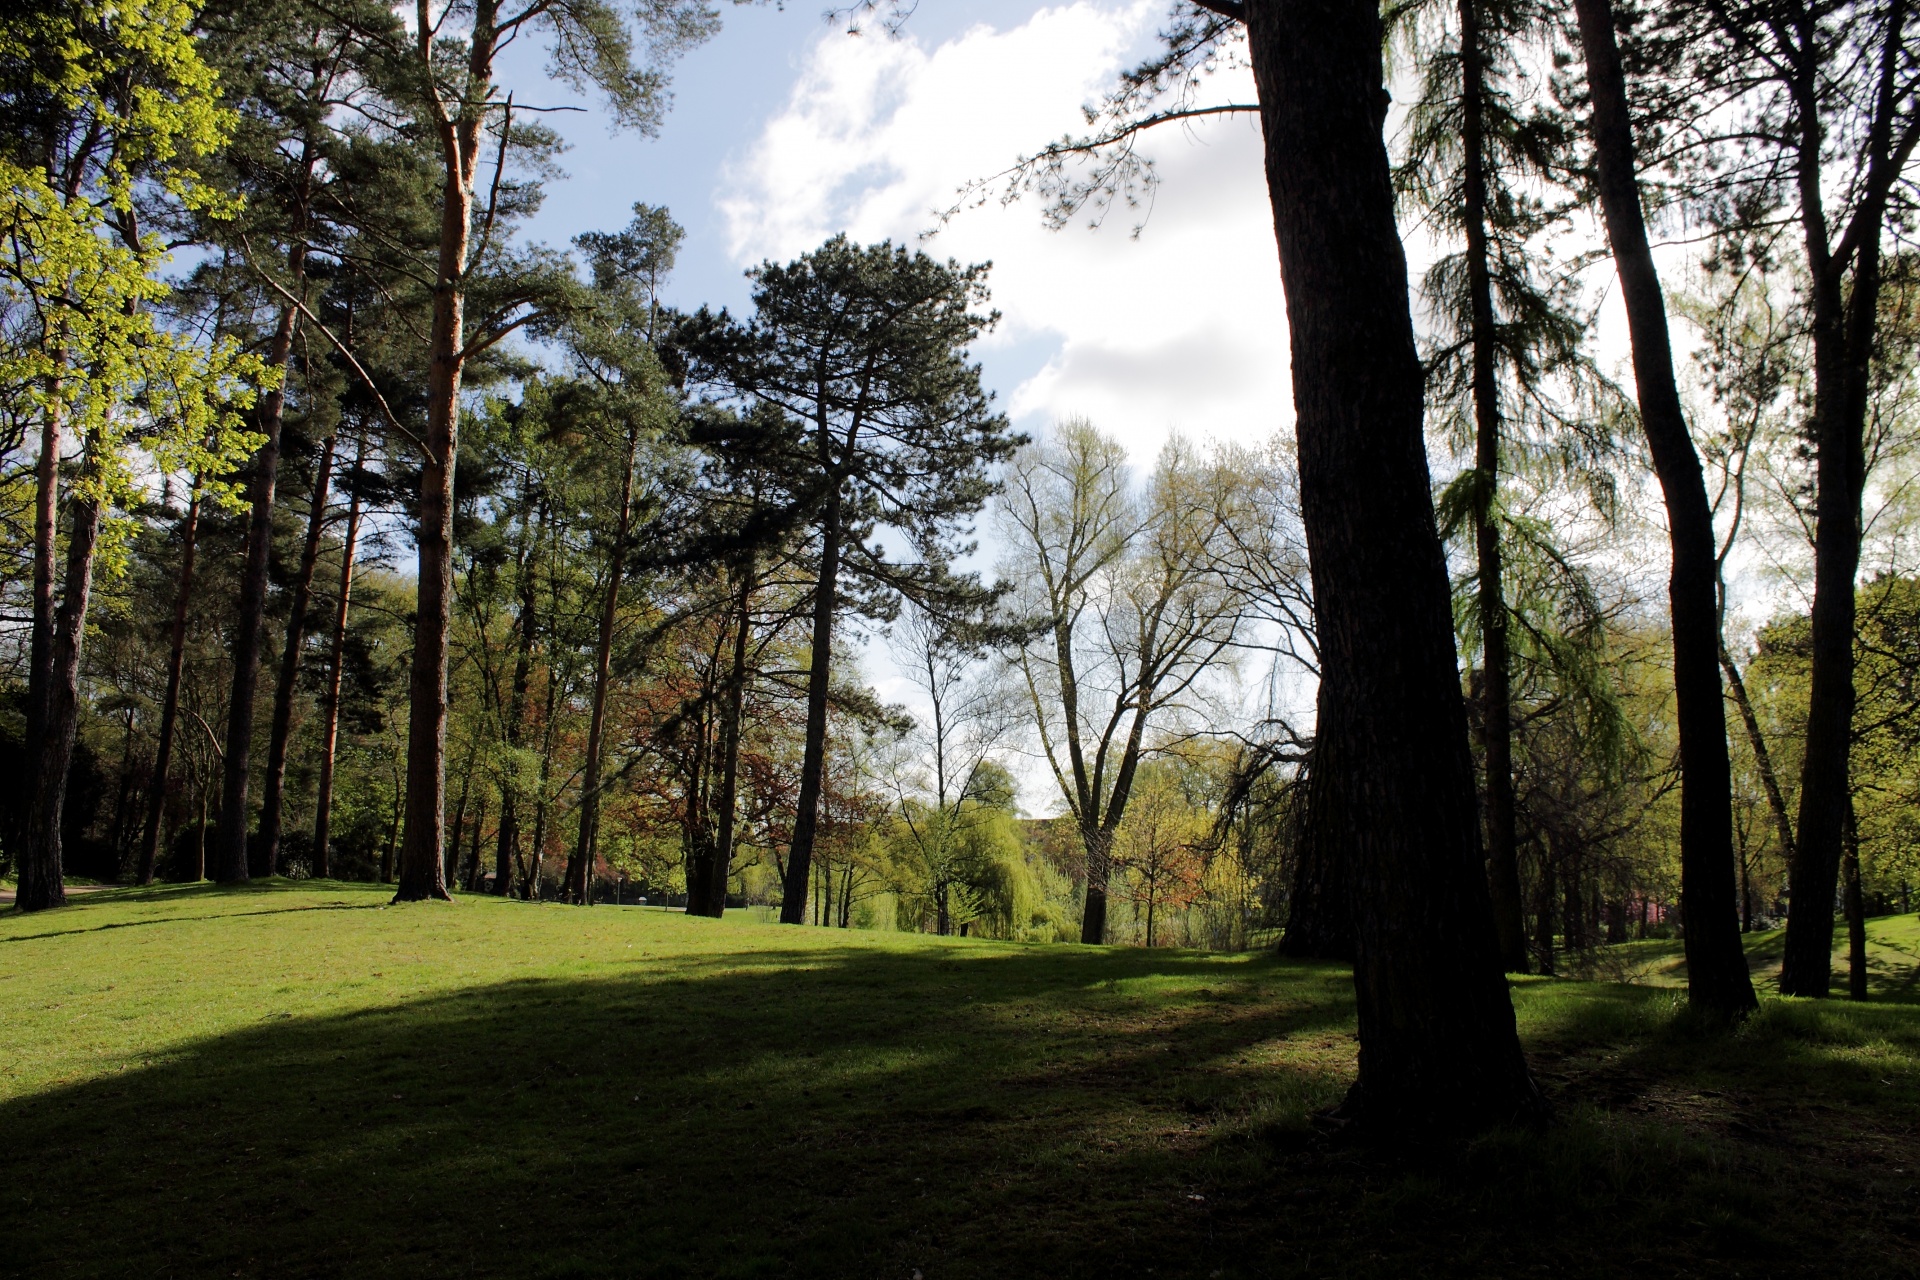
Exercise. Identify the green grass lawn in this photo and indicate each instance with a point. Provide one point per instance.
(302, 1081)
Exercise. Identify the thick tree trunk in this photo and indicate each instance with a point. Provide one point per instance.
(44, 871)
(1438, 1048)
(1319, 911)
(1503, 864)
(273, 789)
(231, 862)
(425, 830)
(585, 845)
(330, 703)
(720, 870)
(813, 763)
(170, 705)
(1716, 966)
(41, 880)
(1097, 840)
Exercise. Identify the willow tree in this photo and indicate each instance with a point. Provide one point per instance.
(1129, 609)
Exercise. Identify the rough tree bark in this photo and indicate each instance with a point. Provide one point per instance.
(1438, 1048)
(1717, 978)
(273, 789)
(41, 884)
(170, 705)
(336, 654)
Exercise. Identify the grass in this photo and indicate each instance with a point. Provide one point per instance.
(1893, 960)
(302, 1081)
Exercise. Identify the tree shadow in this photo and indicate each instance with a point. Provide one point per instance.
(807, 1112)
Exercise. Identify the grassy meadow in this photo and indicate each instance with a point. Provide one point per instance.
(300, 1080)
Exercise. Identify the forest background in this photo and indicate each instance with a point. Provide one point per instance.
(1144, 370)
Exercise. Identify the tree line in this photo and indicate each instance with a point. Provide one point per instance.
(350, 533)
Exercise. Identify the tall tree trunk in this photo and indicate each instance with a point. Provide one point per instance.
(1856, 908)
(541, 798)
(813, 762)
(1717, 978)
(1503, 864)
(42, 883)
(1762, 757)
(231, 862)
(1844, 326)
(273, 789)
(330, 702)
(170, 705)
(507, 846)
(460, 136)
(470, 879)
(1438, 1048)
(720, 872)
(584, 847)
(40, 864)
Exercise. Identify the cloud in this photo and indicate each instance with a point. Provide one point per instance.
(1180, 328)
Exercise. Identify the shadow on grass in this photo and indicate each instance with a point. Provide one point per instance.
(813, 1112)
(952, 1111)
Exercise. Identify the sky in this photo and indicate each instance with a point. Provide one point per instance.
(785, 131)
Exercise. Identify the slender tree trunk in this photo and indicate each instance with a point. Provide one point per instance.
(584, 849)
(330, 703)
(170, 705)
(1543, 917)
(273, 789)
(470, 879)
(1844, 327)
(793, 903)
(721, 870)
(1438, 1048)
(1717, 977)
(452, 854)
(1762, 758)
(1503, 865)
(507, 848)
(541, 798)
(1856, 909)
(40, 864)
(231, 861)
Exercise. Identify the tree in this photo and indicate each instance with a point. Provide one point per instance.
(1130, 613)
(1827, 125)
(297, 72)
(612, 345)
(1485, 166)
(455, 95)
(864, 350)
(1717, 978)
(112, 105)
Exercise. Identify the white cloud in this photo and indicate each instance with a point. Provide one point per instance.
(1182, 328)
